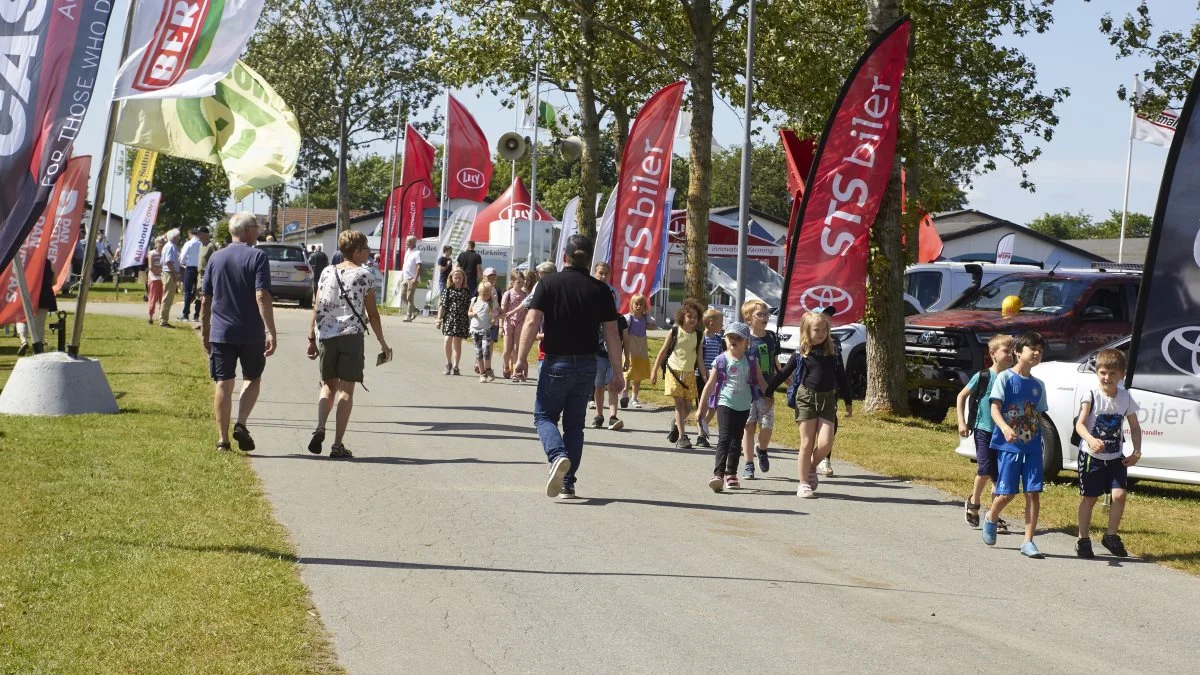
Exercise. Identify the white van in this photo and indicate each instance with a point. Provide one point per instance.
(937, 285)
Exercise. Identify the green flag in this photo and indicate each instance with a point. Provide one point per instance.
(245, 127)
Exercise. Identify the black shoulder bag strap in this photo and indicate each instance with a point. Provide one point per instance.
(349, 302)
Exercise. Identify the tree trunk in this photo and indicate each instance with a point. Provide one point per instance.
(621, 116)
(343, 187)
(695, 253)
(589, 127)
(887, 387)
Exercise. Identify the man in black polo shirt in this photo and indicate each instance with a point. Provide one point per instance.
(569, 308)
(472, 264)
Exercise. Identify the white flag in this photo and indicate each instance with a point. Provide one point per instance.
(1159, 130)
(604, 233)
(1004, 249)
(137, 232)
(182, 48)
(570, 226)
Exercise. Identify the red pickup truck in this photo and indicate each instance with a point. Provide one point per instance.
(1077, 311)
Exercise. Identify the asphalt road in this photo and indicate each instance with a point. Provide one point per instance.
(436, 550)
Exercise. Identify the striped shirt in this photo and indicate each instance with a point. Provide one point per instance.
(711, 348)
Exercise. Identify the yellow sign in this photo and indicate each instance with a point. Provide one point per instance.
(141, 176)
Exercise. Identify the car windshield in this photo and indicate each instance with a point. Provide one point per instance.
(283, 253)
(1042, 295)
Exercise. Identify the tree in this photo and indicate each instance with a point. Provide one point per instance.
(1173, 57)
(768, 178)
(1137, 226)
(367, 180)
(193, 193)
(558, 181)
(1065, 225)
(343, 66)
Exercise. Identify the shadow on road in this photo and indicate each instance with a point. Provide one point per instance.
(596, 501)
(405, 461)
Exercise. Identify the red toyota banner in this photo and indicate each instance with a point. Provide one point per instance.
(639, 238)
(468, 158)
(53, 59)
(827, 259)
(52, 238)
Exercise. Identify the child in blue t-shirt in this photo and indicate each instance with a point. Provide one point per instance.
(734, 384)
(974, 411)
(1017, 401)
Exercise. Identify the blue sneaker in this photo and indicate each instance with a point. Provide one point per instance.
(989, 532)
(1030, 550)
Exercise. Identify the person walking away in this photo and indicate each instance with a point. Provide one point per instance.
(765, 347)
(1103, 466)
(207, 248)
(734, 386)
(154, 280)
(318, 261)
(574, 307)
(1017, 401)
(237, 325)
(472, 264)
(410, 277)
(46, 303)
(444, 265)
(818, 378)
(189, 260)
(974, 413)
(678, 361)
(512, 317)
(342, 310)
(638, 353)
(483, 318)
(170, 276)
(452, 318)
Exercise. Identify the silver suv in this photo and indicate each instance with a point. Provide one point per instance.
(291, 276)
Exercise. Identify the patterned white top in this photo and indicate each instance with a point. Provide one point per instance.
(334, 314)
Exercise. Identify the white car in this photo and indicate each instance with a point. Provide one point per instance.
(937, 285)
(1170, 425)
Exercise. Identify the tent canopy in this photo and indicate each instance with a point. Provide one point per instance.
(514, 204)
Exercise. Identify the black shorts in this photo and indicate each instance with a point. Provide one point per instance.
(1101, 476)
(987, 459)
(223, 360)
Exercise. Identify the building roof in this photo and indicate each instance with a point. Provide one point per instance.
(967, 222)
(289, 214)
(1135, 248)
(777, 227)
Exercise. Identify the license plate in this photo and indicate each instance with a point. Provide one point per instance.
(279, 275)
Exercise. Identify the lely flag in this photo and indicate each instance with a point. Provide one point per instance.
(52, 238)
(1165, 354)
(643, 182)
(468, 157)
(52, 57)
(799, 155)
(827, 257)
(404, 214)
(182, 48)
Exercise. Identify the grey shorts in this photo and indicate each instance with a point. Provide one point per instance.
(342, 358)
(812, 405)
(762, 413)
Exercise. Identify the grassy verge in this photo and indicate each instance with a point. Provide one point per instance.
(129, 545)
(107, 291)
(1162, 520)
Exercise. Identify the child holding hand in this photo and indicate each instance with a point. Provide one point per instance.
(734, 385)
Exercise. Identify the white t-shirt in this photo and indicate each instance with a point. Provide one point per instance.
(482, 321)
(1106, 420)
(411, 260)
(334, 314)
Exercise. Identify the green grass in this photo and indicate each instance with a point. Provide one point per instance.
(128, 544)
(1161, 523)
(107, 291)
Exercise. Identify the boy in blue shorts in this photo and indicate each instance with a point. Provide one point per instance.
(1018, 399)
(974, 411)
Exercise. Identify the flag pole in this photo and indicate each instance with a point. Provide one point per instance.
(747, 148)
(537, 112)
(89, 255)
(1128, 166)
(445, 164)
(31, 325)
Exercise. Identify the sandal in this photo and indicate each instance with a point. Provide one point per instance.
(224, 447)
(339, 451)
(242, 435)
(971, 518)
(318, 437)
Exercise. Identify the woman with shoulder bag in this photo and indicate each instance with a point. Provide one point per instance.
(343, 307)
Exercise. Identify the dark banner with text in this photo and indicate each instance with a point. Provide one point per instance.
(643, 183)
(1165, 354)
(52, 61)
(827, 256)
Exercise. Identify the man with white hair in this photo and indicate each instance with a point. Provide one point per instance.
(411, 271)
(237, 325)
(170, 276)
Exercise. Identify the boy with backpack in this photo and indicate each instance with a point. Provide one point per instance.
(975, 418)
(734, 386)
(678, 360)
(764, 347)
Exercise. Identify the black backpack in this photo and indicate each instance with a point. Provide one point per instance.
(983, 383)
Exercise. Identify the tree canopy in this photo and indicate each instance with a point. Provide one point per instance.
(1080, 225)
(193, 193)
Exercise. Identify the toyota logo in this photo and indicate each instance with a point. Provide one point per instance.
(472, 179)
(827, 296)
(1182, 346)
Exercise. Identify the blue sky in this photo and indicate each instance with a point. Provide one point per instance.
(1083, 168)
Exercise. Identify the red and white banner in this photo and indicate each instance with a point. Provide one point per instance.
(638, 241)
(53, 241)
(468, 156)
(1004, 249)
(509, 208)
(827, 259)
(404, 213)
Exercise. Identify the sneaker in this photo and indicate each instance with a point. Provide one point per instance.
(448, 369)
(825, 468)
(1113, 543)
(805, 491)
(339, 451)
(1030, 550)
(598, 421)
(624, 401)
(455, 371)
(567, 492)
(673, 436)
(242, 436)
(748, 471)
(592, 404)
(314, 444)
(971, 518)
(491, 376)
(684, 443)
(731, 482)
(764, 462)
(483, 379)
(23, 349)
(559, 469)
(637, 404)
(989, 532)
(702, 441)
(615, 424)
(716, 483)
(1083, 549)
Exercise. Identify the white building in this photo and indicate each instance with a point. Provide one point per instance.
(971, 235)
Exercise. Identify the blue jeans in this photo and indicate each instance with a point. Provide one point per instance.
(564, 385)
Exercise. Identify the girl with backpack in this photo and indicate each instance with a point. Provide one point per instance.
(677, 361)
(820, 379)
(735, 386)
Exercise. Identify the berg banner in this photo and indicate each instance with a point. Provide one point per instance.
(827, 256)
(183, 48)
(468, 156)
(244, 127)
(52, 61)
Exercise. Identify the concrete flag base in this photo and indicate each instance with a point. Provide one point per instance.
(53, 384)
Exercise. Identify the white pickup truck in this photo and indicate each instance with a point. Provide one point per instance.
(1170, 425)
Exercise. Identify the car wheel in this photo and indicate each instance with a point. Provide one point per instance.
(1052, 459)
(932, 412)
(856, 371)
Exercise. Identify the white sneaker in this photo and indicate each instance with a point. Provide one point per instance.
(825, 468)
(636, 403)
(483, 378)
(591, 405)
(804, 491)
